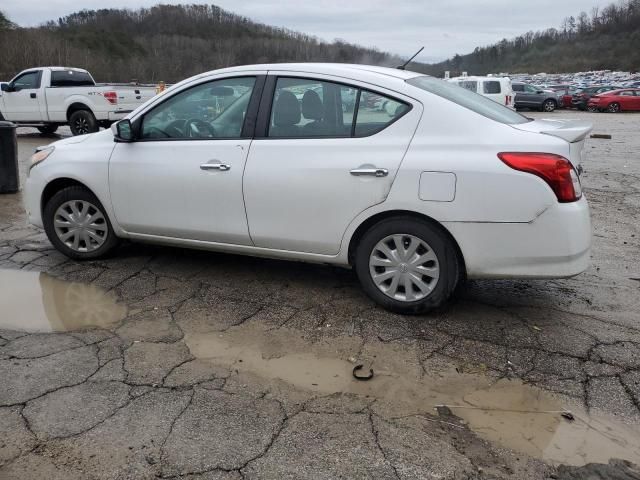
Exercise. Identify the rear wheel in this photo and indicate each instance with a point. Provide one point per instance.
(407, 266)
(613, 107)
(77, 225)
(549, 105)
(48, 129)
(82, 122)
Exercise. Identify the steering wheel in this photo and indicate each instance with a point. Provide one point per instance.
(196, 128)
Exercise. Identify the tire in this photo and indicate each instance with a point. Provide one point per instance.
(66, 199)
(48, 129)
(613, 107)
(82, 122)
(409, 229)
(549, 106)
(592, 108)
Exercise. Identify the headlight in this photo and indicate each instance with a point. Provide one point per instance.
(41, 154)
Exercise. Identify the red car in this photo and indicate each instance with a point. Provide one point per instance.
(616, 101)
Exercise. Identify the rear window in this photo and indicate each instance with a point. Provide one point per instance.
(492, 87)
(474, 102)
(71, 78)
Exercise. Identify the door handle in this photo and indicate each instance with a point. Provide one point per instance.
(215, 166)
(373, 172)
(33, 95)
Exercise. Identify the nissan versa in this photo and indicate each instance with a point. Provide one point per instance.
(414, 182)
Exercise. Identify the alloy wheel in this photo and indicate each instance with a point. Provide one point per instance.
(404, 267)
(549, 106)
(81, 125)
(80, 225)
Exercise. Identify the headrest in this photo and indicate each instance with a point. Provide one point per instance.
(312, 107)
(286, 111)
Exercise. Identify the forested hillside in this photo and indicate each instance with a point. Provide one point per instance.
(165, 42)
(607, 38)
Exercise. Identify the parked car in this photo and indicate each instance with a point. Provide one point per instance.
(530, 96)
(497, 89)
(564, 94)
(580, 99)
(615, 101)
(451, 185)
(48, 97)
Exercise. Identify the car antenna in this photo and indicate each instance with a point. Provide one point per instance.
(402, 67)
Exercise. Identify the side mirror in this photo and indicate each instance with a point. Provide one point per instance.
(7, 87)
(539, 92)
(123, 131)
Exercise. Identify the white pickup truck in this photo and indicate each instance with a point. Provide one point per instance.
(48, 97)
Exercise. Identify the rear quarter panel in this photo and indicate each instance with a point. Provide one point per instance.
(454, 139)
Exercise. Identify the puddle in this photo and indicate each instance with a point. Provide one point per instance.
(37, 302)
(507, 412)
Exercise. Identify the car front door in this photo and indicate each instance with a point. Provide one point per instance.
(22, 101)
(182, 178)
(324, 151)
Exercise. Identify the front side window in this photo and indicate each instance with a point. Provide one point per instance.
(210, 110)
(474, 102)
(304, 108)
(530, 89)
(492, 87)
(29, 80)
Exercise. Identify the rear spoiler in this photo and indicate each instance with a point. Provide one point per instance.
(570, 130)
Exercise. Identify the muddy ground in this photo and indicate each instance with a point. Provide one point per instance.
(167, 363)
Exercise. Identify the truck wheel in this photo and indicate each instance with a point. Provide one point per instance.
(82, 122)
(48, 129)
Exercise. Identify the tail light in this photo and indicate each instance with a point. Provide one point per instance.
(556, 170)
(111, 97)
(507, 100)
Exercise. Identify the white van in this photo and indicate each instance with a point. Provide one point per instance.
(497, 89)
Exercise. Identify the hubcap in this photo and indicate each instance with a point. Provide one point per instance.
(404, 267)
(549, 107)
(82, 126)
(80, 226)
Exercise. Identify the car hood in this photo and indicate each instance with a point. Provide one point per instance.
(570, 130)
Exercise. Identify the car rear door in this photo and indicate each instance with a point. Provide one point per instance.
(325, 150)
(183, 177)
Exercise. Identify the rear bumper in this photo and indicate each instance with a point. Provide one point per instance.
(556, 244)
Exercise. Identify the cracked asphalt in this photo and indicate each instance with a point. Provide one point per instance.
(168, 363)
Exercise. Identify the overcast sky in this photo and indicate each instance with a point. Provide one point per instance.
(444, 27)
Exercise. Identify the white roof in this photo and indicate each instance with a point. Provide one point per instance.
(366, 73)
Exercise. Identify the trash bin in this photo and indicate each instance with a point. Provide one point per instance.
(9, 178)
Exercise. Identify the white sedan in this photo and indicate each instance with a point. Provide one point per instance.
(300, 162)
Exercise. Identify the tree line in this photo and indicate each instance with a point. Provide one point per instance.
(607, 38)
(165, 42)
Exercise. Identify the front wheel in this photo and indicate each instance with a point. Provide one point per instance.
(82, 122)
(592, 108)
(549, 106)
(77, 225)
(613, 108)
(407, 266)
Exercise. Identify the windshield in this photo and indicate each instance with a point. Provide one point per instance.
(465, 98)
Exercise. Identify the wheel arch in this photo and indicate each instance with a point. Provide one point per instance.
(76, 106)
(378, 217)
(54, 186)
